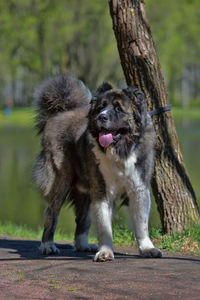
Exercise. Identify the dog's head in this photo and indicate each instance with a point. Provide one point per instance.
(117, 118)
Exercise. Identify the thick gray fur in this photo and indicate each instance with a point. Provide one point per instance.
(73, 166)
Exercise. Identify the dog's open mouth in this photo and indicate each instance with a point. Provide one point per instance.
(107, 137)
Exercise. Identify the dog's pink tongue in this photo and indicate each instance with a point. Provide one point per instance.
(105, 139)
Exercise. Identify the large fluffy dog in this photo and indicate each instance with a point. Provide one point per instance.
(94, 151)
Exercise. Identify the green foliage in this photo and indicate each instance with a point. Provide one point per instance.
(175, 28)
(42, 38)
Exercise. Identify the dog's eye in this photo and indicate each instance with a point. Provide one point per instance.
(118, 108)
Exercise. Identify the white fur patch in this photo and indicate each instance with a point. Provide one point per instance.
(105, 216)
(102, 217)
(120, 175)
(145, 244)
(104, 112)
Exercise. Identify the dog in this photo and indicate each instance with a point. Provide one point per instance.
(95, 150)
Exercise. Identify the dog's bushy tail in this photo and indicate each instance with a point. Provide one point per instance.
(61, 93)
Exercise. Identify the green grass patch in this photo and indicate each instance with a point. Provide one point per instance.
(187, 241)
(24, 232)
(122, 236)
(20, 117)
(57, 287)
(19, 273)
(53, 281)
(19, 231)
(72, 289)
(55, 284)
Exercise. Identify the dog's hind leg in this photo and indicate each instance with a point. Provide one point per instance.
(81, 202)
(55, 200)
(54, 184)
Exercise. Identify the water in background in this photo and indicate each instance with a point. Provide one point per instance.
(21, 202)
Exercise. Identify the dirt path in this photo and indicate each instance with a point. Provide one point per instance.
(25, 274)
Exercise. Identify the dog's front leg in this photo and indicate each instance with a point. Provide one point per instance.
(139, 206)
(101, 211)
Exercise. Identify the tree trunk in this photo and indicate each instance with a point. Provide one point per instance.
(171, 186)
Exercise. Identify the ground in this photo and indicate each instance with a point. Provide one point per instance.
(26, 274)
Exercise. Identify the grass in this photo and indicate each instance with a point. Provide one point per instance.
(55, 284)
(187, 241)
(24, 117)
(20, 117)
(72, 289)
(24, 232)
(19, 231)
(53, 281)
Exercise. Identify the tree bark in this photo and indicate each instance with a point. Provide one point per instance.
(171, 186)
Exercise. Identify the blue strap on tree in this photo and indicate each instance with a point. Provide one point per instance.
(160, 110)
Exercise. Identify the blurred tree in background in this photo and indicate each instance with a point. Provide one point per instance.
(43, 38)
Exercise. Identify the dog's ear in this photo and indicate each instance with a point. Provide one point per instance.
(133, 92)
(138, 98)
(103, 88)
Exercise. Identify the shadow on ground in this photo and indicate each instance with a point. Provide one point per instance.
(28, 249)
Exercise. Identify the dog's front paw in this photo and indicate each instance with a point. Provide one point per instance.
(104, 254)
(151, 253)
(48, 248)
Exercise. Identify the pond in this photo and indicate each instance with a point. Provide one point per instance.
(21, 202)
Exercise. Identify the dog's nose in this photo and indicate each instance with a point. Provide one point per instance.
(103, 117)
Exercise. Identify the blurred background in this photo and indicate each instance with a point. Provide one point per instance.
(39, 39)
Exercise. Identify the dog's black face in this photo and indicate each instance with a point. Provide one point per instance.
(117, 118)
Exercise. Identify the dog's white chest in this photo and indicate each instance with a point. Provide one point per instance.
(120, 176)
(113, 177)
